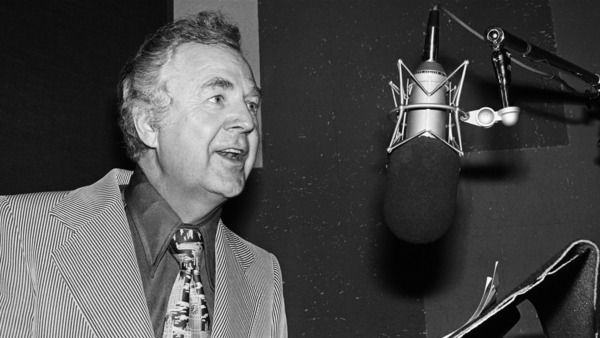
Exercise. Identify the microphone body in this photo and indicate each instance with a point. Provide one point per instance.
(422, 174)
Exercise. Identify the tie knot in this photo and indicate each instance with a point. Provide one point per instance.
(186, 245)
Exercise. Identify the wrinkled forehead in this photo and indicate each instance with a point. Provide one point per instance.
(199, 62)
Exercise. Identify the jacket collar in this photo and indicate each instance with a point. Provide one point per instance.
(87, 202)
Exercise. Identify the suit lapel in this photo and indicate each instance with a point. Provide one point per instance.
(98, 261)
(233, 308)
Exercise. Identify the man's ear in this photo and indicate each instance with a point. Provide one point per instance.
(146, 129)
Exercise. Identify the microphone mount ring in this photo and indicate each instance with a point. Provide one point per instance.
(401, 94)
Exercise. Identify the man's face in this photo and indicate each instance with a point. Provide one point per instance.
(208, 139)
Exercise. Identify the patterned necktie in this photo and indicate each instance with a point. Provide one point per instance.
(187, 316)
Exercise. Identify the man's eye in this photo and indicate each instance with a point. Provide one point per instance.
(253, 107)
(218, 99)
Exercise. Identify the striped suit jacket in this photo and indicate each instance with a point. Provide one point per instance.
(68, 269)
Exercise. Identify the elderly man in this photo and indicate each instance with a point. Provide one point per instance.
(145, 254)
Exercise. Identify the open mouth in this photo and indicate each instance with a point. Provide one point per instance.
(233, 154)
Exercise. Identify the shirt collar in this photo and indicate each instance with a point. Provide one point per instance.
(156, 221)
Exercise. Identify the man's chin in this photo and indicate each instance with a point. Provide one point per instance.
(226, 183)
(233, 189)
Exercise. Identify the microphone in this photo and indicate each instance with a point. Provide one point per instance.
(423, 170)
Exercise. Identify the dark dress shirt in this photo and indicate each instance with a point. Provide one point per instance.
(153, 223)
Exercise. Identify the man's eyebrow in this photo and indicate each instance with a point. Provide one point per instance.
(218, 82)
(256, 91)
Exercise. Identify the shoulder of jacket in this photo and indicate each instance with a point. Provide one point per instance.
(32, 201)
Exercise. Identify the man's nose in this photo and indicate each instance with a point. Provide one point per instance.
(242, 119)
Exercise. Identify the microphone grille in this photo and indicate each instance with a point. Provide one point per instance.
(420, 194)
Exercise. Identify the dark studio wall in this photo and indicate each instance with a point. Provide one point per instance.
(524, 192)
(60, 67)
